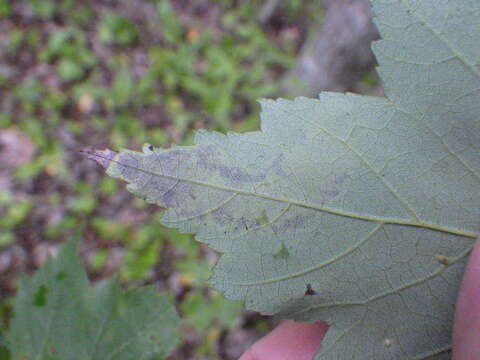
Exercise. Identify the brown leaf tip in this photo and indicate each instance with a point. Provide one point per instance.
(101, 157)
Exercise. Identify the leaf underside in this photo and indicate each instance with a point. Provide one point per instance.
(373, 201)
(59, 316)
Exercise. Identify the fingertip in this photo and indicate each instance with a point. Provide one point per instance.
(466, 334)
(289, 341)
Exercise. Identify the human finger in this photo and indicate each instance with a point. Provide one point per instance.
(466, 334)
(289, 341)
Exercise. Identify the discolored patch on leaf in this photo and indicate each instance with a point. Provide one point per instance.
(283, 252)
(444, 260)
(309, 291)
(262, 219)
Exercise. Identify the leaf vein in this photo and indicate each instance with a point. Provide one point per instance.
(316, 267)
(405, 204)
(393, 291)
(393, 221)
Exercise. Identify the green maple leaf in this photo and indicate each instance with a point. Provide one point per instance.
(59, 316)
(373, 201)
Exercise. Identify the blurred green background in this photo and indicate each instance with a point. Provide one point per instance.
(119, 73)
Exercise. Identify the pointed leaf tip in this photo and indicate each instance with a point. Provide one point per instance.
(101, 157)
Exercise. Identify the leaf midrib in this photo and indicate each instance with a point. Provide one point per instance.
(377, 219)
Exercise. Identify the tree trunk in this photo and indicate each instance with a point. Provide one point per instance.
(338, 53)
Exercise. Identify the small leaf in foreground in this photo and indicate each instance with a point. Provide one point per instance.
(58, 315)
